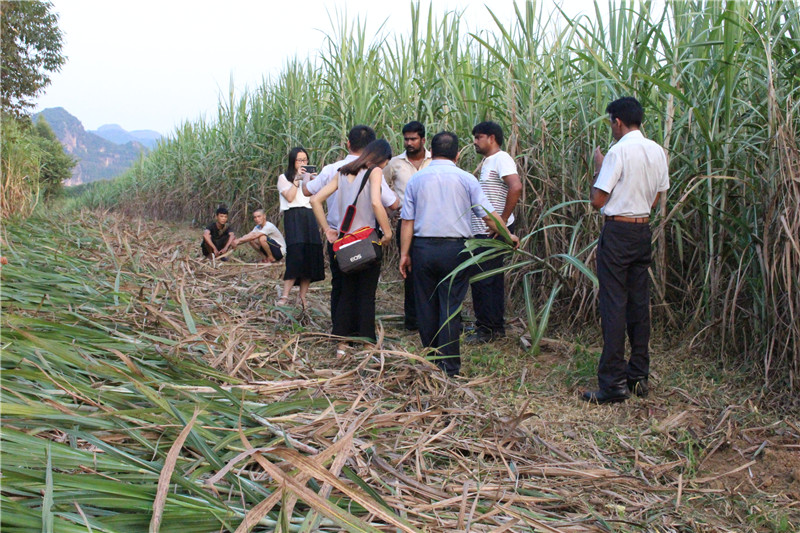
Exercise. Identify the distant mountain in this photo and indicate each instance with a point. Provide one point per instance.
(117, 135)
(98, 158)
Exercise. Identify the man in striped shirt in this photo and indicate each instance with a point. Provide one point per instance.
(501, 183)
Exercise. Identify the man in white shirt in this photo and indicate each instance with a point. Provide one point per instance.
(397, 173)
(265, 238)
(357, 139)
(501, 183)
(630, 179)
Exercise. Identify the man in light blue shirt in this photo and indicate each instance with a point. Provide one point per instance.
(436, 221)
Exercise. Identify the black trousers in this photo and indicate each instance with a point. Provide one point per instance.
(336, 279)
(354, 314)
(409, 307)
(438, 303)
(219, 243)
(489, 295)
(623, 259)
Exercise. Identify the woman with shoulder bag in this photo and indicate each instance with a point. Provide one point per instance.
(304, 260)
(358, 195)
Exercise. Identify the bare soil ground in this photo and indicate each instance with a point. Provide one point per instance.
(508, 446)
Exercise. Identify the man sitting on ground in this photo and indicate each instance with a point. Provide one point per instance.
(265, 238)
(217, 237)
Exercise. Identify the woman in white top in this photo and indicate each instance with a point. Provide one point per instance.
(354, 315)
(304, 260)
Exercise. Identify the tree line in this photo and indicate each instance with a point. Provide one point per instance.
(33, 161)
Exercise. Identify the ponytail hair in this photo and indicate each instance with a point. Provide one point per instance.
(373, 155)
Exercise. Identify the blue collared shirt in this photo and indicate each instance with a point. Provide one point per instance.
(439, 199)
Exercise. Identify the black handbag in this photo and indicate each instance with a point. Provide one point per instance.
(361, 248)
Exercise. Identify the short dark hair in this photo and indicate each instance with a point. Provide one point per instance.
(415, 127)
(374, 154)
(628, 110)
(221, 210)
(490, 128)
(445, 144)
(360, 136)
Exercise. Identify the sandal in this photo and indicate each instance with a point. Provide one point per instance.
(340, 351)
(282, 301)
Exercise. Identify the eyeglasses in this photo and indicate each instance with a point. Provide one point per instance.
(301, 160)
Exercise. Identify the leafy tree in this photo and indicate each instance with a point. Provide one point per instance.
(56, 165)
(31, 50)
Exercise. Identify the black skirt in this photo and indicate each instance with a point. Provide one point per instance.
(304, 259)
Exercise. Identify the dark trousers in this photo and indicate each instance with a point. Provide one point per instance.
(219, 243)
(354, 314)
(489, 295)
(623, 258)
(438, 304)
(409, 307)
(336, 279)
(274, 247)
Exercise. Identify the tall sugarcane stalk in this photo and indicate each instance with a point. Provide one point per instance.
(717, 80)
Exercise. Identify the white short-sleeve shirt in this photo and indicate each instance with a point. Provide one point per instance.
(270, 230)
(634, 171)
(300, 199)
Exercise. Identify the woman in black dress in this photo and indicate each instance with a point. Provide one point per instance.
(304, 260)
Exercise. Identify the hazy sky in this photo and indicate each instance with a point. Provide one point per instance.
(151, 64)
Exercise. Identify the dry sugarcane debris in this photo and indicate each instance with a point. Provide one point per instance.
(506, 447)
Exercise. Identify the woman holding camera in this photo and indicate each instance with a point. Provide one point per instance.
(354, 315)
(304, 261)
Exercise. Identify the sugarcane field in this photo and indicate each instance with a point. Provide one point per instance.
(539, 273)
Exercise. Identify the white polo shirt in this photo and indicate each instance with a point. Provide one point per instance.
(634, 171)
